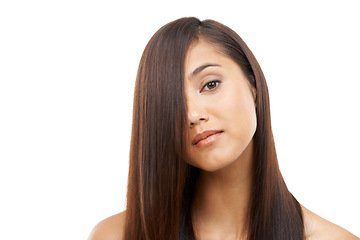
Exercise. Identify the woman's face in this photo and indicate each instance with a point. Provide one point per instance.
(221, 108)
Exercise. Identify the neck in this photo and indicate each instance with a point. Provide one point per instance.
(221, 199)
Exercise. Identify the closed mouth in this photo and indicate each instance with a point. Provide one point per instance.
(204, 135)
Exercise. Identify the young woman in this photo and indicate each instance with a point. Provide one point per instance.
(203, 163)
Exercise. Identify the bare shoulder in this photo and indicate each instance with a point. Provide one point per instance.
(110, 228)
(317, 228)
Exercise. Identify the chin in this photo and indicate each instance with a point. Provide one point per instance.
(212, 165)
(212, 168)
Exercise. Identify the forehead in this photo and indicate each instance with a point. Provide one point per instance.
(201, 49)
(203, 52)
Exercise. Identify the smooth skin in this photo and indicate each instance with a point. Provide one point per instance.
(219, 97)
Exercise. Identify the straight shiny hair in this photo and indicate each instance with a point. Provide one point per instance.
(161, 184)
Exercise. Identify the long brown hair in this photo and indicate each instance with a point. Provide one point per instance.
(161, 184)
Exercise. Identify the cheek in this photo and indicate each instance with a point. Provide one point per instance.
(240, 115)
(188, 153)
(191, 157)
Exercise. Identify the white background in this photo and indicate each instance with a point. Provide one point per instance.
(67, 71)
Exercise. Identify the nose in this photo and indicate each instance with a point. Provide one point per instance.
(196, 112)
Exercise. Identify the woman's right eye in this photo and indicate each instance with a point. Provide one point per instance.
(211, 85)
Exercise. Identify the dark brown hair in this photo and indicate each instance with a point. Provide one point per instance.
(161, 184)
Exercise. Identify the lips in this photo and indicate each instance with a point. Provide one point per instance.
(204, 135)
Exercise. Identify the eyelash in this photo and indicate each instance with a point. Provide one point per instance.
(207, 85)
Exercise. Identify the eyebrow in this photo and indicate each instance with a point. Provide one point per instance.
(202, 67)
